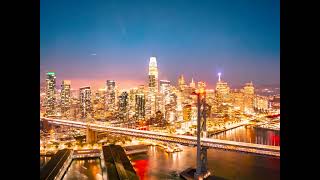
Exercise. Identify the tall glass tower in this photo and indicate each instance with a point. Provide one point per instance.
(65, 97)
(111, 95)
(50, 93)
(153, 87)
(85, 101)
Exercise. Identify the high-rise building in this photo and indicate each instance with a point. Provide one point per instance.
(201, 86)
(111, 95)
(237, 99)
(187, 112)
(222, 90)
(123, 106)
(159, 119)
(140, 106)
(171, 108)
(141, 89)
(75, 110)
(248, 92)
(132, 101)
(85, 102)
(179, 109)
(192, 84)
(210, 95)
(153, 75)
(164, 97)
(164, 86)
(261, 103)
(50, 93)
(101, 96)
(99, 105)
(65, 97)
(153, 88)
(181, 82)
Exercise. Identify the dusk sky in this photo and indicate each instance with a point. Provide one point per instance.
(89, 42)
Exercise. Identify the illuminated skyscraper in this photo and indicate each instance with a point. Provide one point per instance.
(248, 91)
(164, 97)
(111, 95)
(140, 106)
(261, 103)
(153, 75)
(164, 86)
(201, 86)
(222, 90)
(99, 104)
(249, 88)
(123, 106)
(50, 93)
(132, 101)
(237, 100)
(65, 97)
(85, 102)
(187, 112)
(181, 83)
(141, 89)
(153, 88)
(192, 84)
(179, 110)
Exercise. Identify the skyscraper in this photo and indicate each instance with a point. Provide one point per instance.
(237, 99)
(187, 112)
(248, 91)
(85, 101)
(181, 83)
(164, 97)
(65, 97)
(164, 86)
(132, 101)
(222, 90)
(140, 106)
(261, 103)
(50, 93)
(123, 106)
(153, 88)
(111, 95)
(201, 86)
(99, 104)
(153, 75)
(192, 84)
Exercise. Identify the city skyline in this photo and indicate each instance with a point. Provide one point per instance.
(113, 43)
(129, 84)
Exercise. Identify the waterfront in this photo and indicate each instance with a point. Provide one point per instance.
(251, 135)
(158, 164)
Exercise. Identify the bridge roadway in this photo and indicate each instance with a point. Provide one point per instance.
(259, 149)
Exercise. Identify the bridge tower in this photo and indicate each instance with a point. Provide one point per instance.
(91, 136)
(45, 125)
(202, 160)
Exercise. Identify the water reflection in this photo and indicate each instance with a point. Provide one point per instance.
(84, 169)
(251, 135)
(44, 160)
(158, 164)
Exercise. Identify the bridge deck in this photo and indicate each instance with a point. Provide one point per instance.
(181, 139)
